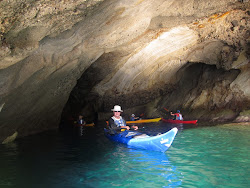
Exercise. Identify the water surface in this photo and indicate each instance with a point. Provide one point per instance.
(200, 156)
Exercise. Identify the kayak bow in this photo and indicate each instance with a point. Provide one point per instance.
(137, 140)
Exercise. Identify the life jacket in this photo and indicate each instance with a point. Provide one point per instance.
(119, 122)
(179, 117)
(80, 121)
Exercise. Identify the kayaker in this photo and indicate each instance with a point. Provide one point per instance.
(177, 115)
(116, 122)
(133, 118)
(80, 120)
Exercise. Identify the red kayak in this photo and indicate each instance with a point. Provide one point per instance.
(179, 121)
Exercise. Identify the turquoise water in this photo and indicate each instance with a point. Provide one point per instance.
(200, 156)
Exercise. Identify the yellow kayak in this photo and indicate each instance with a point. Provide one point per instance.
(86, 125)
(89, 125)
(144, 121)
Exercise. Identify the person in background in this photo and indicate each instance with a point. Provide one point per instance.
(133, 118)
(177, 115)
(80, 125)
(80, 120)
(116, 122)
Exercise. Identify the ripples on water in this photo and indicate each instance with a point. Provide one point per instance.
(200, 156)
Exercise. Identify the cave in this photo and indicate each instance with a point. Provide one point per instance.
(59, 60)
(192, 79)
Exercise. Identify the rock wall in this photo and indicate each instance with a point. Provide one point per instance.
(139, 54)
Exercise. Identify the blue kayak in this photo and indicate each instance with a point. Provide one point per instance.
(137, 140)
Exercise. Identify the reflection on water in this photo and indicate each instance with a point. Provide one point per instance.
(157, 166)
(132, 168)
(200, 156)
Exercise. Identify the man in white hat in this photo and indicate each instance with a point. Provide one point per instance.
(116, 122)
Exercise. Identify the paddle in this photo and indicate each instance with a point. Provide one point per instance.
(166, 109)
(140, 116)
(172, 113)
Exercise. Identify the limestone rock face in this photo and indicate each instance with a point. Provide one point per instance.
(85, 56)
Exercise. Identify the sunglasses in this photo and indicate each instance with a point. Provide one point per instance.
(117, 111)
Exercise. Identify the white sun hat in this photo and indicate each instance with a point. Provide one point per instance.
(117, 108)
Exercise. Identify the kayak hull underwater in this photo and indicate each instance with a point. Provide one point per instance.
(179, 121)
(133, 139)
(144, 121)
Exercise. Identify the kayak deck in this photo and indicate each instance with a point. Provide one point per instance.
(144, 121)
(137, 140)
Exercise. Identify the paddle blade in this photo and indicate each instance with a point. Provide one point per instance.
(166, 109)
